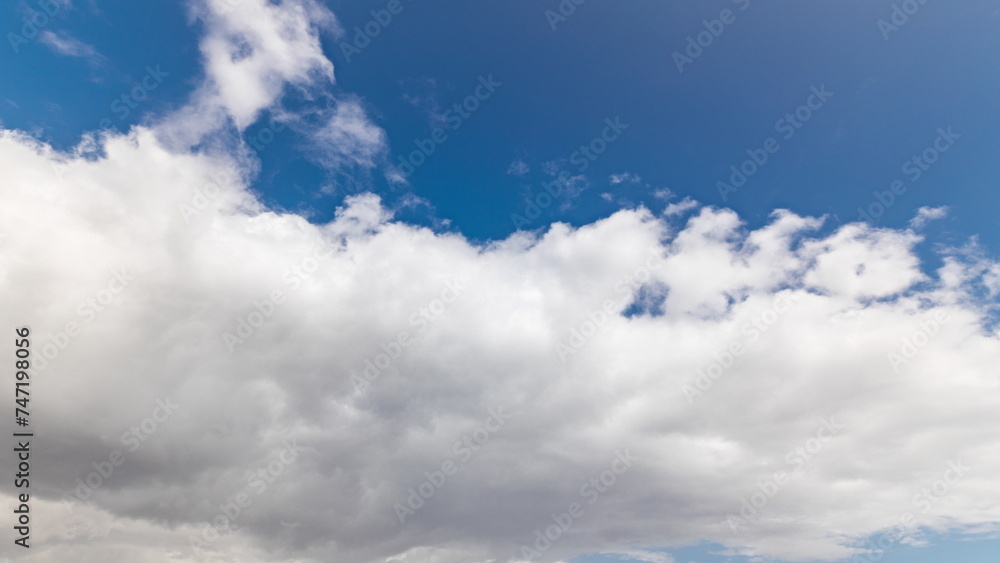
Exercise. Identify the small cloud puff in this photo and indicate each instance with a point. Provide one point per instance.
(624, 178)
(518, 168)
(926, 214)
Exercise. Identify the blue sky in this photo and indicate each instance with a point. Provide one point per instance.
(853, 110)
(941, 550)
(685, 128)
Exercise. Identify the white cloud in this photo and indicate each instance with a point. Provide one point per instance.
(624, 178)
(680, 207)
(992, 280)
(570, 187)
(251, 52)
(640, 555)
(255, 50)
(664, 193)
(925, 214)
(553, 167)
(518, 167)
(349, 138)
(64, 44)
(494, 346)
(864, 263)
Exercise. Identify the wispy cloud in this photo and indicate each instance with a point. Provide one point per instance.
(422, 93)
(642, 555)
(349, 138)
(664, 194)
(680, 207)
(64, 44)
(624, 178)
(926, 214)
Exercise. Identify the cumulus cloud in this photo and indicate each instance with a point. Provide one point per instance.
(367, 390)
(501, 326)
